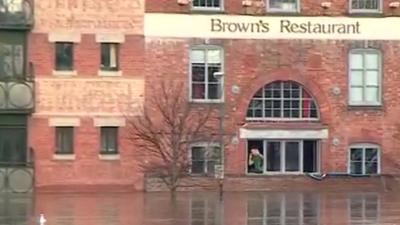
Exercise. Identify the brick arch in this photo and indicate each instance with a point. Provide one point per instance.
(311, 87)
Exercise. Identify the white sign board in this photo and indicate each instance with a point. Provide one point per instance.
(253, 27)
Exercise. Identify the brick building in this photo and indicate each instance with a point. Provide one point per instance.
(305, 87)
(310, 85)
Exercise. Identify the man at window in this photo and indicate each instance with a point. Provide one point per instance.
(255, 161)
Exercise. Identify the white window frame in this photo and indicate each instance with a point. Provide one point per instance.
(363, 197)
(282, 170)
(379, 10)
(278, 10)
(200, 8)
(282, 108)
(364, 146)
(380, 77)
(222, 86)
(206, 160)
(283, 202)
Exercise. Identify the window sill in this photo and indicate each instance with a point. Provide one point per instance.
(65, 73)
(365, 107)
(207, 10)
(207, 101)
(278, 12)
(66, 157)
(109, 73)
(109, 157)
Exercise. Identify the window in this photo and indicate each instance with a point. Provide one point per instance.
(109, 140)
(364, 160)
(204, 158)
(207, 4)
(291, 156)
(283, 209)
(282, 100)
(364, 208)
(64, 140)
(109, 57)
(362, 6)
(365, 77)
(283, 5)
(204, 63)
(64, 56)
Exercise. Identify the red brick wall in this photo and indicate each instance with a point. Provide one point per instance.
(308, 7)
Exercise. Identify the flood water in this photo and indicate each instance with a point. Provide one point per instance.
(204, 208)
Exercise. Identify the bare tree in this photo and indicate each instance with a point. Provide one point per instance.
(166, 127)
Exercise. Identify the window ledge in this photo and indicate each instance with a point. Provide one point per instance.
(206, 101)
(64, 156)
(65, 72)
(207, 10)
(109, 157)
(106, 73)
(365, 107)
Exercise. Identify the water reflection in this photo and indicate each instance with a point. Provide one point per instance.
(252, 208)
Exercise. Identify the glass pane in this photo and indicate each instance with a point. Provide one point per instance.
(292, 156)
(371, 154)
(273, 156)
(356, 168)
(198, 72)
(372, 94)
(197, 56)
(198, 153)
(372, 78)
(214, 56)
(356, 78)
(310, 156)
(356, 94)
(214, 91)
(198, 167)
(211, 167)
(371, 168)
(371, 61)
(211, 70)
(356, 61)
(198, 91)
(356, 154)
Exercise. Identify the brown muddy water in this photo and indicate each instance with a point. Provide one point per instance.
(204, 208)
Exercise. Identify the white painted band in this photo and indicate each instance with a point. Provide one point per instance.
(64, 122)
(283, 134)
(109, 122)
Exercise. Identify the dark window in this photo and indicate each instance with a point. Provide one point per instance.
(109, 56)
(204, 63)
(283, 5)
(109, 140)
(365, 5)
(65, 140)
(207, 4)
(64, 56)
(282, 100)
(204, 159)
(364, 160)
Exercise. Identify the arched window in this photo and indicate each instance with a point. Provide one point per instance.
(282, 100)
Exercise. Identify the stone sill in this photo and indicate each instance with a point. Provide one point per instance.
(64, 157)
(105, 73)
(109, 157)
(65, 73)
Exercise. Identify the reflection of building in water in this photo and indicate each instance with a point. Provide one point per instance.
(276, 208)
(364, 208)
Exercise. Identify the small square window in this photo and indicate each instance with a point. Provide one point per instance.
(64, 56)
(204, 159)
(365, 6)
(283, 5)
(64, 140)
(109, 57)
(109, 140)
(207, 4)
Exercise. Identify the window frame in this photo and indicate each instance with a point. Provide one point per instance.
(279, 10)
(214, 9)
(282, 100)
(63, 131)
(365, 52)
(56, 68)
(204, 145)
(364, 146)
(222, 81)
(282, 150)
(117, 58)
(106, 131)
(362, 11)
